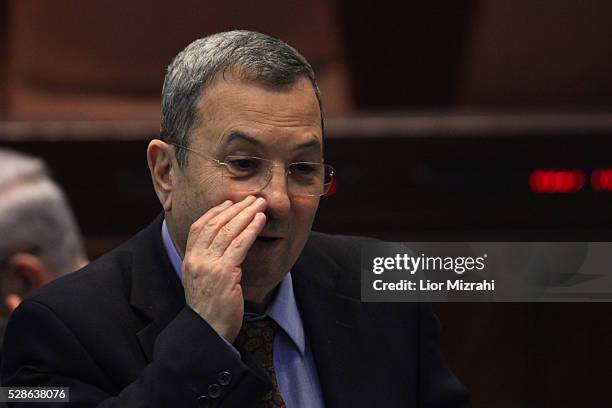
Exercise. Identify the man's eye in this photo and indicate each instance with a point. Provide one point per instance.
(304, 169)
(243, 164)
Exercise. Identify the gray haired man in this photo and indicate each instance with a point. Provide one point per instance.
(39, 238)
(228, 299)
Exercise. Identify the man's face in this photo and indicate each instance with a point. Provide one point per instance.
(247, 119)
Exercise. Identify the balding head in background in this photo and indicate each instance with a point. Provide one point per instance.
(39, 238)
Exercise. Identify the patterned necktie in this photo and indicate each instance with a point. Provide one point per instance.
(257, 338)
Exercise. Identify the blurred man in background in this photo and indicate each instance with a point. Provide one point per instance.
(39, 238)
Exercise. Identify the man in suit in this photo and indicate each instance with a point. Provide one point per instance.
(228, 299)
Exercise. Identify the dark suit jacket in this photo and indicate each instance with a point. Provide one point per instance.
(119, 334)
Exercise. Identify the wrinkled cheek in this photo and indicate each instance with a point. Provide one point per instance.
(203, 195)
(306, 213)
(215, 189)
(307, 210)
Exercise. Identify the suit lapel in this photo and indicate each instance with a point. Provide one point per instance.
(156, 290)
(331, 326)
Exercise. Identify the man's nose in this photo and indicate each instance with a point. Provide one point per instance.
(276, 193)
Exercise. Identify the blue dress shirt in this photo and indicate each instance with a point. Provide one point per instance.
(296, 372)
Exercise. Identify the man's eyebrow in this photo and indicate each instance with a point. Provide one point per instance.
(309, 145)
(238, 136)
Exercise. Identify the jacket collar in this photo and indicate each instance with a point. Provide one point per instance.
(155, 291)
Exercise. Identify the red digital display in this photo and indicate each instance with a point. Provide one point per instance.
(601, 179)
(556, 181)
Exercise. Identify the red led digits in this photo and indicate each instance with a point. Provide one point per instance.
(556, 181)
(601, 179)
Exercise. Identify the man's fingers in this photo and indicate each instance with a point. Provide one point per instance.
(197, 226)
(239, 247)
(213, 212)
(205, 229)
(235, 226)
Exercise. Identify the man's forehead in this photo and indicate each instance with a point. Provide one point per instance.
(243, 96)
(242, 111)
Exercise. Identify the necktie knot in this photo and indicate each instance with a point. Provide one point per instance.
(257, 338)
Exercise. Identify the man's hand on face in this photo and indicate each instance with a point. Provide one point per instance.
(217, 244)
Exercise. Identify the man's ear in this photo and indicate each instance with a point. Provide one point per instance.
(25, 273)
(162, 165)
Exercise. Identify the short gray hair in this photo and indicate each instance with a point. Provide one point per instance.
(35, 215)
(253, 56)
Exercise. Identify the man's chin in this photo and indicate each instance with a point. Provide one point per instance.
(267, 263)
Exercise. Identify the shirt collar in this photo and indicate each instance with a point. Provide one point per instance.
(175, 258)
(283, 309)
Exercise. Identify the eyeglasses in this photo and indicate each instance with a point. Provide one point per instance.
(250, 174)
